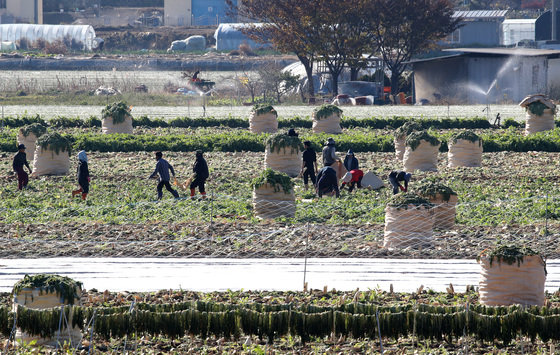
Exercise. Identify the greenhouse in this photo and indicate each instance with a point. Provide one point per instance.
(83, 34)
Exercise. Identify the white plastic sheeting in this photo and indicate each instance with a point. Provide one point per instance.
(229, 36)
(80, 33)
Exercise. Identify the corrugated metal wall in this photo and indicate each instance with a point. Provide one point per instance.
(486, 33)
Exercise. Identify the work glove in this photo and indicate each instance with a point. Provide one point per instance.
(402, 188)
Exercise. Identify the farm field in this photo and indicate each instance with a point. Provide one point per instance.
(192, 107)
(513, 197)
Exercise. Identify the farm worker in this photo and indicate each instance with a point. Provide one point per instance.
(350, 161)
(83, 176)
(20, 159)
(352, 178)
(292, 132)
(163, 168)
(395, 177)
(327, 182)
(309, 164)
(200, 170)
(329, 153)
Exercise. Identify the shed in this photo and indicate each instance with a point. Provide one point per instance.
(480, 27)
(481, 75)
(84, 34)
(229, 36)
(516, 30)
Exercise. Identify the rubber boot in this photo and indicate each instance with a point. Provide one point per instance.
(84, 196)
(203, 194)
(76, 192)
(192, 194)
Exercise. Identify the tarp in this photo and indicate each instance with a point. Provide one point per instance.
(229, 37)
(372, 181)
(50, 33)
(268, 203)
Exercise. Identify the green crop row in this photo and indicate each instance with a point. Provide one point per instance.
(232, 122)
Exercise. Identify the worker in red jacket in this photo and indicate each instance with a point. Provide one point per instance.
(353, 178)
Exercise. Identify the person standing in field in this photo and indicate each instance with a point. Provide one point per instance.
(309, 164)
(200, 170)
(163, 168)
(350, 161)
(20, 160)
(329, 153)
(83, 176)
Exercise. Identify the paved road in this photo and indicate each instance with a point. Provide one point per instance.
(152, 274)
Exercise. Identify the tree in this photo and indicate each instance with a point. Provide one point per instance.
(276, 82)
(404, 28)
(288, 25)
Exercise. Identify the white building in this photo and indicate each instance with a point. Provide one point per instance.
(515, 30)
(21, 11)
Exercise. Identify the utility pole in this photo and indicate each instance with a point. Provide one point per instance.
(553, 13)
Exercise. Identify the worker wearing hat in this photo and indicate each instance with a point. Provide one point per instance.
(329, 153)
(350, 161)
(395, 177)
(352, 178)
(20, 159)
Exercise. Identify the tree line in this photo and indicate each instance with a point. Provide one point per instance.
(344, 33)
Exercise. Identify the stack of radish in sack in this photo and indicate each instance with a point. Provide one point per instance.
(421, 152)
(326, 119)
(444, 200)
(465, 150)
(263, 119)
(273, 195)
(116, 119)
(28, 135)
(540, 113)
(52, 155)
(408, 222)
(283, 153)
(400, 136)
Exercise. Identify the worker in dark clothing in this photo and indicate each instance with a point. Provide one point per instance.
(329, 153)
(195, 76)
(350, 161)
(163, 168)
(327, 182)
(292, 132)
(20, 159)
(83, 176)
(309, 164)
(395, 177)
(200, 170)
(353, 178)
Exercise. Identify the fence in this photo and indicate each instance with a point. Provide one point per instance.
(224, 226)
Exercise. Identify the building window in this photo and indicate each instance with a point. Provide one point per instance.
(3, 4)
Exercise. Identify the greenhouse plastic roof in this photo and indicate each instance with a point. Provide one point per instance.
(80, 33)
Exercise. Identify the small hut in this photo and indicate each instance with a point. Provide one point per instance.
(465, 149)
(116, 119)
(511, 275)
(273, 195)
(52, 155)
(408, 222)
(540, 111)
(400, 136)
(45, 291)
(326, 119)
(27, 135)
(444, 200)
(283, 153)
(263, 119)
(421, 152)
